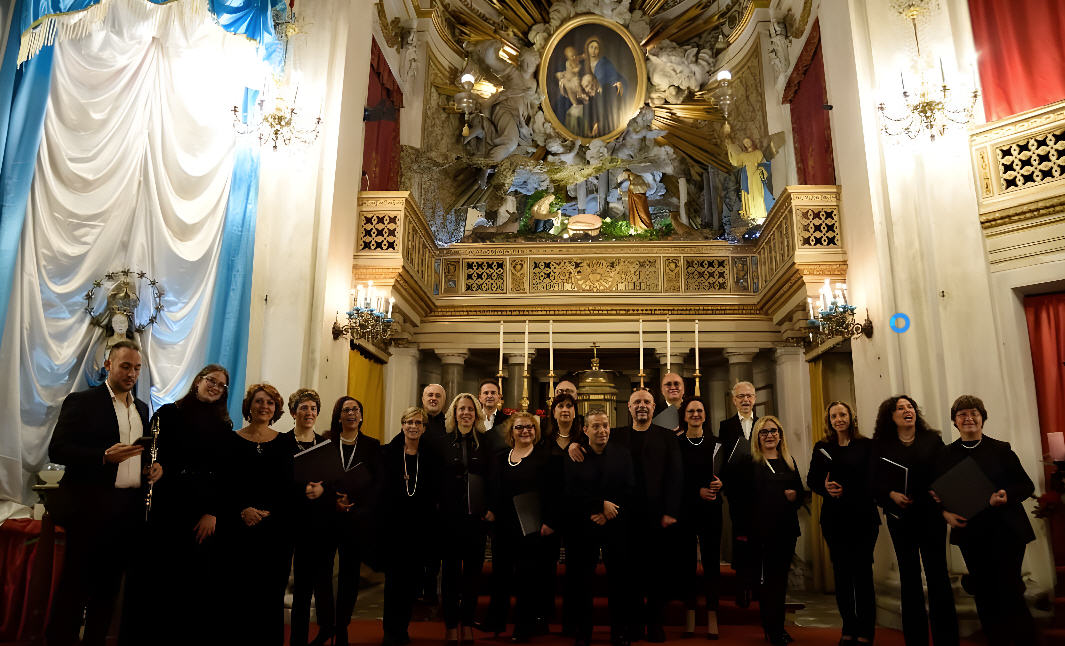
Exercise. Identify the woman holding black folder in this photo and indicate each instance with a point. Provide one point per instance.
(850, 523)
(519, 490)
(410, 493)
(356, 491)
(562, 427)
(700, 513)
(777, 494)
(466, 453)
(992, 541)
(905, 453)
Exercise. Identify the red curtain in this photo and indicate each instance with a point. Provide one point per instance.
(1046, 336)
(31, 557)
(809, 119)
(380, 153)
(1021, 53)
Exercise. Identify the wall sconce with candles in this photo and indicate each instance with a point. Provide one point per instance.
(722, 94)
(832, 316)
(370, 316)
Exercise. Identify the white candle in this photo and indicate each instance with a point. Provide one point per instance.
(810, 302)
(683, 185)
(525, 357)
(669, 345)
(1056, 443)
(551, 346)
(358, 296)
(641, 345)
(501, 347)
(697, 346)
(369, 295)
(391, 303)
(845, 300)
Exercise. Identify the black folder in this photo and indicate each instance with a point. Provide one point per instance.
(896, 476)
(964, 489)
(527, 506)
(476, 495)
(317, 464)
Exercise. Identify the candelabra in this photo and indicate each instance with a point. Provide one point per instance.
(367, 319)
(833, 317)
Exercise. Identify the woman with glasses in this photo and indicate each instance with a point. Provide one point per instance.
(312, 562)
(187, 503)
(466, 453)
(355, 493)
(562, 428)
(777, 494)
(699, 523)
(993, 541)
(839, 473)
(410, 489)
(905, 452)
(519, 486)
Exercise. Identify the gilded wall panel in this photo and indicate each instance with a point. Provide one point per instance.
(485, 277)
(672, 275)
(519, 268)
(596, 275)
(379, 230)
(706, 275)
(818, 227)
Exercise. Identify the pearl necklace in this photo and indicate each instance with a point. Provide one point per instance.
(694, 443)
(406, 476)
(974, 445)
(511, 462)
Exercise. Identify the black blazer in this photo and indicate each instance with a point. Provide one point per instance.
(920, 458)
(773, 515)
(659, 473)
(854, 513)
(87, 427)
(994, 525)
(730, 432)
(605, 476)
(735, 478)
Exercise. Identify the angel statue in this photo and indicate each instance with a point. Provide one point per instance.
(756, 189)
(639, 212)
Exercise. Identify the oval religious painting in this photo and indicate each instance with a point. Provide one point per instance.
(592, 78)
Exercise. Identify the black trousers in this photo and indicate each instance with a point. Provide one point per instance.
(918, 542)
(99, 552)
(583, 546)
(403, 579)
(700, 536)
(515, 563)
(852, 565)
(998, 589)
(259, 560)
(547, 577)
(348, 548)
(461, 562)
(651, 570)
(776, 553)
(312, 574)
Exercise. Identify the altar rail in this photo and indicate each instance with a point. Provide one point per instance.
(803, 231)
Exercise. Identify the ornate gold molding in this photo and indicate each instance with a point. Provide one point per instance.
(582, 312)
(389, 28)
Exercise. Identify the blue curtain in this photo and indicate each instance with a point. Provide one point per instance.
(23, 98)
(230, 309)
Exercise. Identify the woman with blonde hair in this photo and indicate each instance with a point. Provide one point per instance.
(777, 494)
(466, 453)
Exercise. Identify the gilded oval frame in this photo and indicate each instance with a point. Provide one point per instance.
(638, 60)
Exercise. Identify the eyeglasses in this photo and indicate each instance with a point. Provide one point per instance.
(744, 396)
(768, 431)
(964, 414)
(211, 381)
(349, 411)
(414, 422)
(523, 427)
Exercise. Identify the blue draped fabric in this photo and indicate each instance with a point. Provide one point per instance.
(253, 19)
(231, 307)
(23, 98)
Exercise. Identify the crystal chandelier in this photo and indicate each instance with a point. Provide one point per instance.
(278, 126)
(832, 316)
(370, 317)
(934, 108)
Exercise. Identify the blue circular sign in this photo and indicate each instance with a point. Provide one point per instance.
(899, 322)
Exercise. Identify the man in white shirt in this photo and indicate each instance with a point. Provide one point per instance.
(100, 500)
(673, 393)
(488, 395)
(735, 434)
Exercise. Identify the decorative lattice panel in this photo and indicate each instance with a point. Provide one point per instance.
(486, 276)
(741, 274)
(380, 232)
(596, 275)
(818, 227)
(1036, 160)
(706, 275)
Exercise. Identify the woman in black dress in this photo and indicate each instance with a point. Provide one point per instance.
(839, 473)
(354, 505)
(260, 495)
(519, 478)
(777, 494)
(466, 453)
(700, 513)
(562, 427)
(993, 541)
(312, 561)
(410, 490)
(186, 506)
(918, 534)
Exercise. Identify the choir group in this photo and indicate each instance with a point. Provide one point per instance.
(233, 514)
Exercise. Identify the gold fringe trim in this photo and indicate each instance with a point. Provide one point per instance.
(54, 28)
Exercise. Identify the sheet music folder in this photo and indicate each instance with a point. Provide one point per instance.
(964, 489)
(527, 506)
(317, 464)
(895, 475)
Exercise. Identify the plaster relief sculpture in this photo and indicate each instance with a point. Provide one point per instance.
(677, 72)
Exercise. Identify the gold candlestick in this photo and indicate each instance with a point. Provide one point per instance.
(525, 390)
(499, 381)
(697, 375)
(642, 375)
(550, 384)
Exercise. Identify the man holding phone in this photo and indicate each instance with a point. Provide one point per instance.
(99, 437)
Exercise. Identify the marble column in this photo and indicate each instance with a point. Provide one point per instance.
(792, 382)
(452, 363)
(401, 387)
(513, 386)
(740, 365)
(715, 396)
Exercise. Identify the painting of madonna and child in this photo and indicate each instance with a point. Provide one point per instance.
(593, 79)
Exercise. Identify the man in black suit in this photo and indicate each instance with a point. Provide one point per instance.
(735, 434)
(434, 399)
(488, 395)
(102, 494)
(656, 503)
(673, 394)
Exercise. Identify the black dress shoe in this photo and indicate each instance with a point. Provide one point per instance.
(743, 598)
(786, 637)
(519, 638)
(655, 634)
(489, 627)
(321, 638)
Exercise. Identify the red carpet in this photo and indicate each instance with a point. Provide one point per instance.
(431, 633)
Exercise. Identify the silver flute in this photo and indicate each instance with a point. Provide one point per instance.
(153, 452)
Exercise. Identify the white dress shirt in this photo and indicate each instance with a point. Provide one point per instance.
(489, 420)
(130, 429)
(746, 423)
